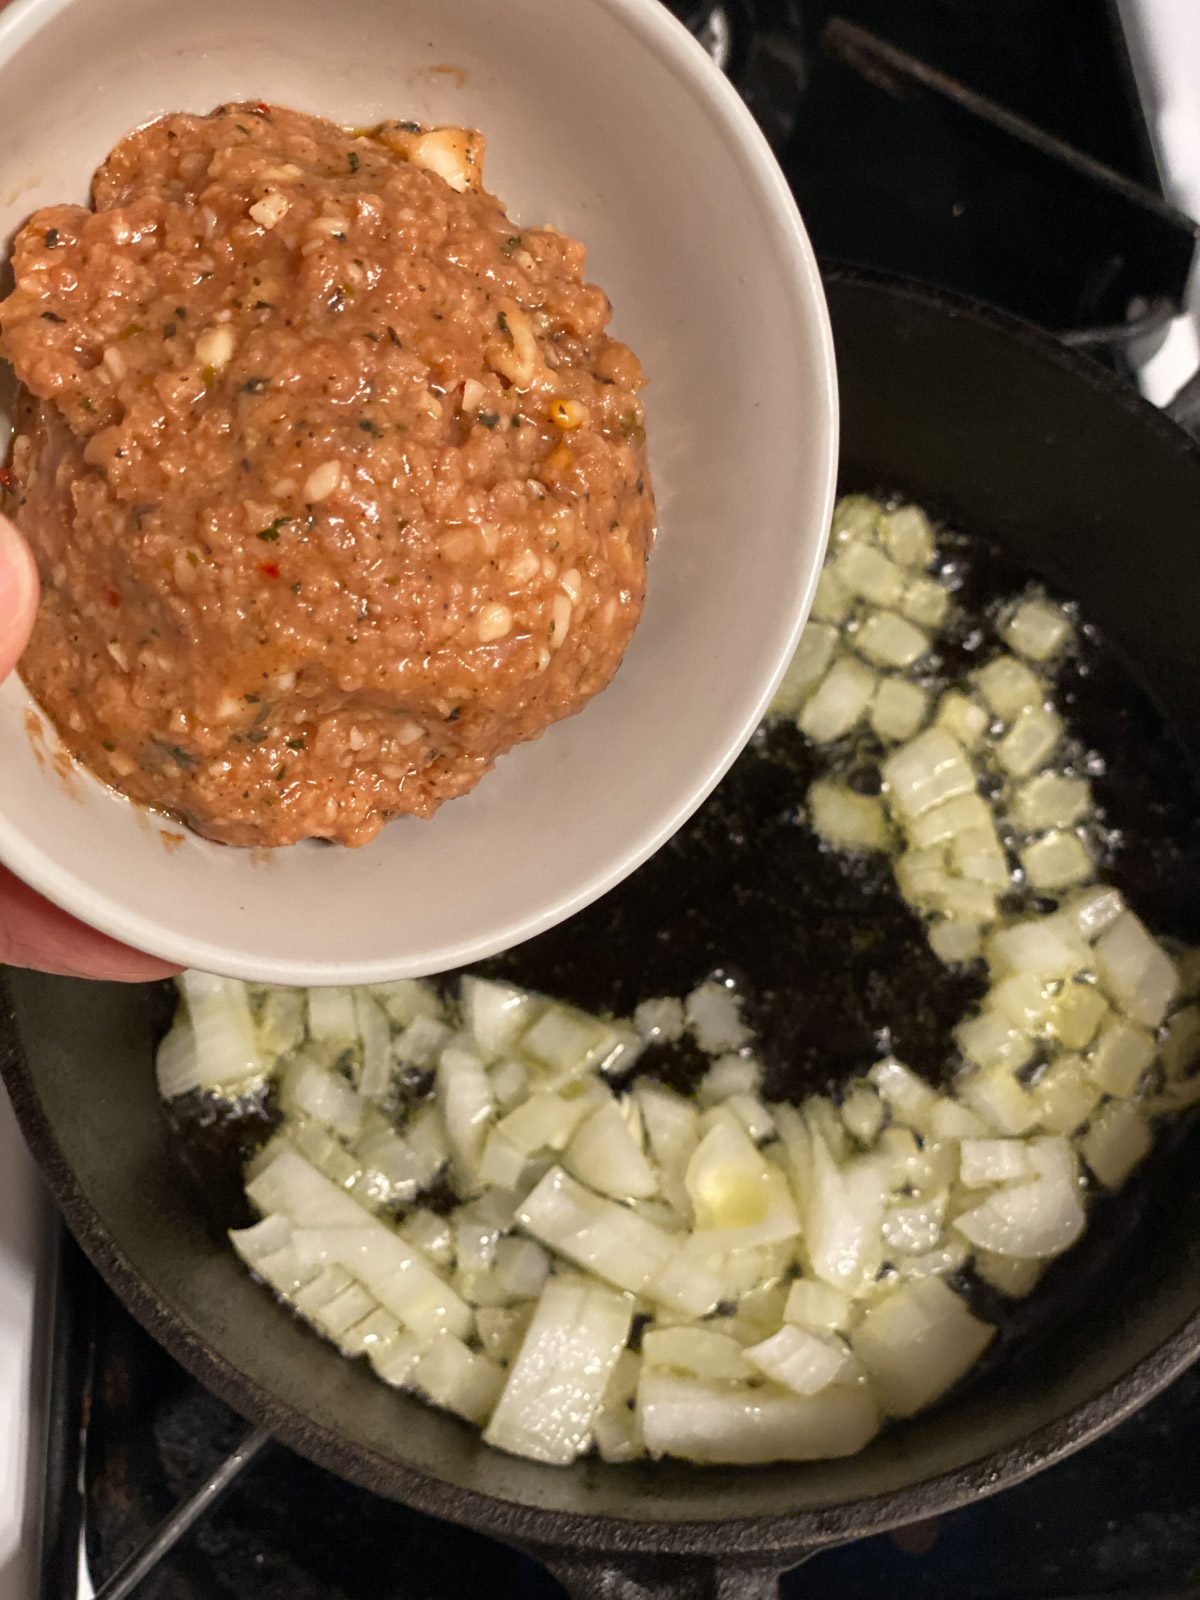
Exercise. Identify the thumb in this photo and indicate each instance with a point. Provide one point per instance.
(18, 595)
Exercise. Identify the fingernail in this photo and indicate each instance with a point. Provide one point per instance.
(18, 594)
(16, 569)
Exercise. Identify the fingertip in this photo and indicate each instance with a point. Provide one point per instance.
(18, 595)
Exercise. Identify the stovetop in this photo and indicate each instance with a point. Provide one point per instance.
(908, 184)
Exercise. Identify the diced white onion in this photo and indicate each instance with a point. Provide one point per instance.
(916, 1343)
(557, 1383)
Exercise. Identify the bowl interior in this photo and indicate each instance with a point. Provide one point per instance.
(604, 117)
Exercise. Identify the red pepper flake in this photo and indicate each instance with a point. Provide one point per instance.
(271, 568)
(7, 482)
(261, 108)
(113, 598)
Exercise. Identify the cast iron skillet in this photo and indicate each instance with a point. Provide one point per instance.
(1073, 476)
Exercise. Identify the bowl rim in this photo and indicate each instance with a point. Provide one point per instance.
(660, 32)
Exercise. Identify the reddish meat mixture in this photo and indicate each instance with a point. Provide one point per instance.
(337, 485)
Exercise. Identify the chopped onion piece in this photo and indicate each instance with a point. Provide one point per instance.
(1007, 1274)
(718, 1423)
(808, 666)
(325, 1096)
(926, 602)
(839, 703)
(811, 1304)
(613, 1242)
(909, 1096)
(660, 1021)
(999, 1099)
(522, 1266)
(1037, 629)
(855, 516)
(1051, 800)
(1092, 910)
(963, 717)
(738, 1197)
(914, 1228)
(949, 1119)
(1056, 861)
(847, 820)
(566, 1042)
(558, 1381)
(889, 640)
(867, 573)
(841, 1208)
(803, 1361)
(1135, 970)
(1065, 1095)
(898, 709)
(1034, 1220)
(752, 1114)
(287, 1183)
(729, 1075)
(1117, 1140)
(393, 1359)
(604, 1155)
(863, 1112)
(1009, 687)
(697, 1350)
(953, 941)
(1080, 1011)
(331, 1016)
(714, 1015)
(1118, 1060)
(831, 603)
(1051, 947)
(978, 854)
(672, 1132)
(988, 1161)
(407, 999)
(176, 1066)
(1024, 1000)
(467, 1104)
(917, 1343)
(459, 1379)
(991, 1041)
(1031, 741)
(907, 536)
(282, 1021)
(927, 771)
(374, 1330)
(501, 1329)
(510, 1083)
(495, 1015)
(966, 813)
(421, 1042)
(431, 1234)
(226, 1054)
(375, 1073)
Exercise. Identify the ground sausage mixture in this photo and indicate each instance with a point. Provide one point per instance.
(336, 483)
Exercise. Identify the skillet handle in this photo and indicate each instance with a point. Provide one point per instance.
(588, 1575)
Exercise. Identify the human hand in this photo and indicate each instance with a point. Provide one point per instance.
(34, 933)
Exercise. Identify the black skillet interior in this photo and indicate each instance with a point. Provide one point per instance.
(1074, 480)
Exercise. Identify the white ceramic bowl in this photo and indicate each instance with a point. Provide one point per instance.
(606, 118)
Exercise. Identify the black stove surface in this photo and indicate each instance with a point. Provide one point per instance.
(908, 186)
(905, 187)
